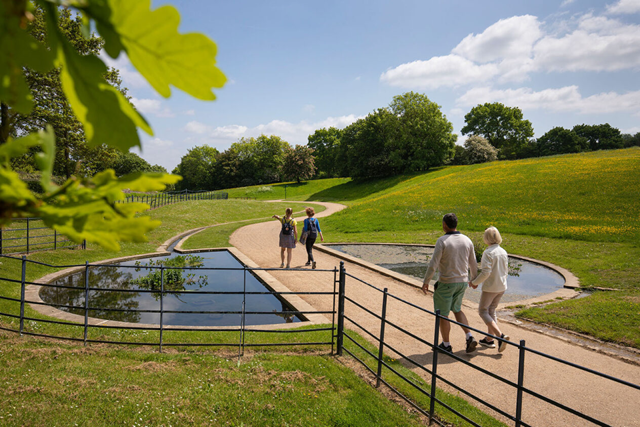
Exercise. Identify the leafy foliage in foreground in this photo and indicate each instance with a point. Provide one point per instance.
(86, 208)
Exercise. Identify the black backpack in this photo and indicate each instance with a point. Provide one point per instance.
(313, 227)
(287, 227)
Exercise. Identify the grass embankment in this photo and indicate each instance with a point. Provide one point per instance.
(579, 211)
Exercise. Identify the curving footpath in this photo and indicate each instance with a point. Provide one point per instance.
(602, 399)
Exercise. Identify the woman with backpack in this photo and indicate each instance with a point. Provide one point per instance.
(312, 228)
(288, 235)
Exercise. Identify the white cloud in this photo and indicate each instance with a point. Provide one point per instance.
(230, 132)
(624, 7)
(294, 133)
(152, 106)
(513, 48)
(565, 99)
(158, 143)
(357, 79)
(197, 127)
(190, 113)
(506, 39)
(631, 131)
(567, 3)
(439, 71)
(309, 108)
(598, 44)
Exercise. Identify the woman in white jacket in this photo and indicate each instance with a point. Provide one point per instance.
(495, 268)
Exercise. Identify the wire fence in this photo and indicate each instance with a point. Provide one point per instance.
(342, 339)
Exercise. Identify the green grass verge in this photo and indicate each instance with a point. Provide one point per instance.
(65, 384)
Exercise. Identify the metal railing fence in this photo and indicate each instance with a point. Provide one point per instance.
(432, 372)
(337, 342)
(157, 200)
(32, 236)
(161, 310)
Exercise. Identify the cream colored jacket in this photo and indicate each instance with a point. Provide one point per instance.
(495, 269)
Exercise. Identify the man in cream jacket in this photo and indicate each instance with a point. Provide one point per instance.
(454, 258)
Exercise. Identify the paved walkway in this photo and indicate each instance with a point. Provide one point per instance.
(604, 400)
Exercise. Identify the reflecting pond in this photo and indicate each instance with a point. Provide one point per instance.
(133, 277)
(532, 279)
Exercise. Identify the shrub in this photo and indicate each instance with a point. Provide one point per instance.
(478, 150)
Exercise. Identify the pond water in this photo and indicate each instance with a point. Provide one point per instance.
(532, 279)
(193, 279)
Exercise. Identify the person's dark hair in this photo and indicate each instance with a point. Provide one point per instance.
(451, 220)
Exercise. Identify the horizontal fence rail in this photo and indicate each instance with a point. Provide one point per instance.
(342, 341)
(31, 235)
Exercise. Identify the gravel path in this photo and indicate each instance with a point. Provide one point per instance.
(600, 398)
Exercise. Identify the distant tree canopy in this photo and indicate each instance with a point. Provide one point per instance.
(126, 163)
(504, 127)
(298, 163)
(559, 141)
(631, 140)
(410, 135)
(197, 168)
(600, 137)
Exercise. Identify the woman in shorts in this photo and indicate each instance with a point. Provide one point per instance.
(495, 268)
(288, 235)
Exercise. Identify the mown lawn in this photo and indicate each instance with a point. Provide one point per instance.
(580, 211)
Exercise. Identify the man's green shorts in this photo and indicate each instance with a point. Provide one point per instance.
(448, 297)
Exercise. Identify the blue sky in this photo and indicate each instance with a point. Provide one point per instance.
(297, 66)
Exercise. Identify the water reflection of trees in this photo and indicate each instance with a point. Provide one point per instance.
(288, 317)
(107, 278)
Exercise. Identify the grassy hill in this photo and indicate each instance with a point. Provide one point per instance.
(580, 211)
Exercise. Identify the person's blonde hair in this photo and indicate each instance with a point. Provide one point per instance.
(492, 236)
(310, 211)
(288, 211)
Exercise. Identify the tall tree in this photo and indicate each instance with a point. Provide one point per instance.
(299, 163)
(73, 155)
(423, 136)
(600, 137)
(504, 127)
(197, 168)
(560, 140)
(326, 146)
(126, 163)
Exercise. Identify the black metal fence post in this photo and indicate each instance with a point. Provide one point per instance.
(55, 239)
(333, 311)
(86, 301)
(383, 321)
(22, 292)
(341, 294)
(434, 369)
(161, 303)
(0, 240)
(520, 383)
(27, 235)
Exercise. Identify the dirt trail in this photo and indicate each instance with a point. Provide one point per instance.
(600, 398)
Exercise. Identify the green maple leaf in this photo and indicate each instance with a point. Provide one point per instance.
(19, 50)
(156, 48)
